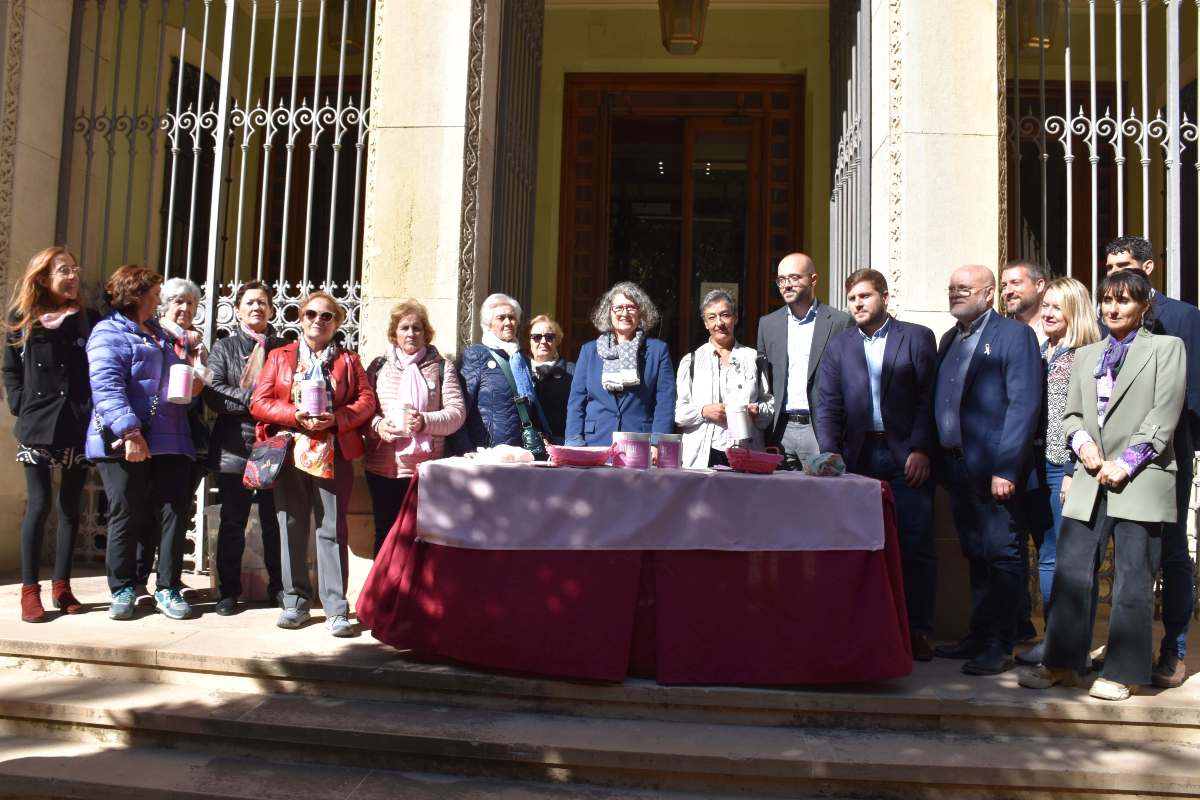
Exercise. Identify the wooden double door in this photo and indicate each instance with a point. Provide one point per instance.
(682, 184)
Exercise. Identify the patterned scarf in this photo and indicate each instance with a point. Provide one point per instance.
(256, 359)
(414, 392)
(619, 370)
(1107, 369)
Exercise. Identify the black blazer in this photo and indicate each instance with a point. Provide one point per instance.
(233, 433)
(47, 383)
(773, 341)
(905, 393)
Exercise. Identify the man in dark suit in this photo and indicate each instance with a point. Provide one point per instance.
(1173, 318)
(987, 402)
(876, 409)
(793, 339)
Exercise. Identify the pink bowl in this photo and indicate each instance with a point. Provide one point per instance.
(562, 456)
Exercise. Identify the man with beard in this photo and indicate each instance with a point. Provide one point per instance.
(1022, 284)
(876, 410)
(793, 339)
(987, 403)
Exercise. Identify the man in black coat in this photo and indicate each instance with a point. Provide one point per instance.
(1173, 318)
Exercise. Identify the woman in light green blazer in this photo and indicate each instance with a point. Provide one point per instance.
(1123, 404)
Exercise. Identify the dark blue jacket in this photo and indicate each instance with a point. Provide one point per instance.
(594, 413)
(1001, 403)
(492, 417)
(127, 370)
(843, 413)
(1177, 318)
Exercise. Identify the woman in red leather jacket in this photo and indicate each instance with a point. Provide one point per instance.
(317, 477)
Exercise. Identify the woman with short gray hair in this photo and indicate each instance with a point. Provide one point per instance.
(719, 375)
(498, 388)
(623, 380)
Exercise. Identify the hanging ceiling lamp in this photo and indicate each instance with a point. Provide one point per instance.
(682, 24)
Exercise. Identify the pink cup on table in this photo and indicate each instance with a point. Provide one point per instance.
(670, 450)
(631, 450)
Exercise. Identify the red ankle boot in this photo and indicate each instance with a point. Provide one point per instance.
(64, 599)
(31, 603)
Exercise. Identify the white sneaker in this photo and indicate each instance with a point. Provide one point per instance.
(339, 626)
(292, 618)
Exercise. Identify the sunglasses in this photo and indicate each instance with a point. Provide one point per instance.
(537, 337)
(325, 316)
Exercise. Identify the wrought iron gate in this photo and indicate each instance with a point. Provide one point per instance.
(218, 140)
(850, 117)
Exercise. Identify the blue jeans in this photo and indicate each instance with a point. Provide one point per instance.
(1177, 588)
(1048, 546)
(914, 521)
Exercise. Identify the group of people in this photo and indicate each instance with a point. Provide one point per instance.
(1046, 423)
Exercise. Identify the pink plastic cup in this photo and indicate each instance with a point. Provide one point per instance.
(670, 450)
(631, 450)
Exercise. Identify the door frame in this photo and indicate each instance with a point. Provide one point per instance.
(591, 100)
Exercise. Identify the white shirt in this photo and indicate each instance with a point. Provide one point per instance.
(799, 344)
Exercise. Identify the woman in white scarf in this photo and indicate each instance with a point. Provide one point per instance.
(720, 374)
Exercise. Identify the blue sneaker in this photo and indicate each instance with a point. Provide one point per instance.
(171, 603)
(122, 604)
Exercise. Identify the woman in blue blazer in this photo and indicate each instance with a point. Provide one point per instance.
(623, 380)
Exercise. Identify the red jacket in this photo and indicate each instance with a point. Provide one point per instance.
(353, 399)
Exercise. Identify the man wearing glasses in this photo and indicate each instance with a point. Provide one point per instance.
(987, 401)
(793, 339)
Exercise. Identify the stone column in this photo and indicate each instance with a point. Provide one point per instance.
(936, 147)
(34, 40)
(936, 153)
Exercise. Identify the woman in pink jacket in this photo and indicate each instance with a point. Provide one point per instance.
(420, 404)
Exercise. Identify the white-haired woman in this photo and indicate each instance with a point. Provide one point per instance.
(623, 380)
(177, 306)
(496, 379)
(719, 373)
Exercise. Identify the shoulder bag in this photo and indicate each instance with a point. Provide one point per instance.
(531, 440)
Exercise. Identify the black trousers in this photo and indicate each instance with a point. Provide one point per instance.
(145, 498)
(387, 496)
(148, 544)
(1137, 550)
(38, 489)
(235, 500)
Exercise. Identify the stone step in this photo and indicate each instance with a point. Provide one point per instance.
(80, 770)
(258, 658)
(648, 754)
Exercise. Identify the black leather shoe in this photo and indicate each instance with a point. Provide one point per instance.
(967, 647)
(227, 606)
(992, 661)
(1033, 655)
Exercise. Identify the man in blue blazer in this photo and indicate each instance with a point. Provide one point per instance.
(1173, 318)
(876, 409)
(987, 402)
(793, 338)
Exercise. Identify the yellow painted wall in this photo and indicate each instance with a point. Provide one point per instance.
(765, 41)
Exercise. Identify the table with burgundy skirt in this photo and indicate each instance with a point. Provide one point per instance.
(683, 576)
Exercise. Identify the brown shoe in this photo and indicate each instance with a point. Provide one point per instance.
(922, 650)
(31, 603)
(1169, 672)
(64, 598)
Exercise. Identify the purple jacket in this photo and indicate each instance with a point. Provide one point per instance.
(128, 369)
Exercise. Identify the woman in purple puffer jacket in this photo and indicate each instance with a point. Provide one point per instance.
(141, 444)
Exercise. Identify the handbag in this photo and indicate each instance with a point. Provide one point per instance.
(111, 440)
(266, 459)
(531, 440)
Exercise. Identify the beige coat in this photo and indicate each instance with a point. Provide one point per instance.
(1145, 406)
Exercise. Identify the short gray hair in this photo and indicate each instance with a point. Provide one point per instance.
(717, 296)
(488, 310)
(601, 313)
(175, 288)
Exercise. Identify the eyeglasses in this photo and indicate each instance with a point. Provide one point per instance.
(790, 280)
(625, 309)
(547, 337)
(961, 291)
(66, 272)
(724, 316)
(324, 316)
